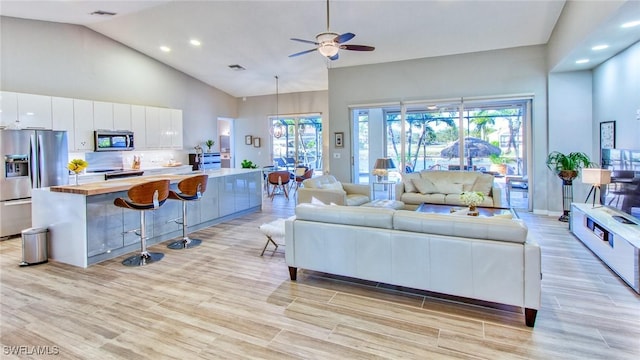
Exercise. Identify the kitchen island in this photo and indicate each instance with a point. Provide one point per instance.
(86, 228)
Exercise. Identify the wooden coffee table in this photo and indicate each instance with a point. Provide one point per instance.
(484, 211)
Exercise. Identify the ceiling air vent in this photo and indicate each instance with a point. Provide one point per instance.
(236, 67)
(103, 13)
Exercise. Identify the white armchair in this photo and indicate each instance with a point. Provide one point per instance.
(327, 190)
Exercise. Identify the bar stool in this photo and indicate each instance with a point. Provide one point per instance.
(191, 189)
(146, 196)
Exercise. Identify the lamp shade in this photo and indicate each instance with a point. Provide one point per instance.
(596, 176)
(384, 163)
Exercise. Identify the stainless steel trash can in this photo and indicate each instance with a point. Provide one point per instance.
(34, 246)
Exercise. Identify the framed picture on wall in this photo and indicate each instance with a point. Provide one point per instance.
(607, 135)
(339, 139)
(256, 142)
(248, 140)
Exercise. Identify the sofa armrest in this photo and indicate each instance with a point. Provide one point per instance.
(351, 188)
(532, 274)
(325, 196)
(399, 190)
(496, 194)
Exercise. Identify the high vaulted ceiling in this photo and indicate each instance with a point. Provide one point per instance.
(256, 34)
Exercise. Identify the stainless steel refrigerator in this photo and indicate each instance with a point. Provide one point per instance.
(31, 159)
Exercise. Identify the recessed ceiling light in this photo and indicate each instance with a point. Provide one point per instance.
(631, 24)
(165, 48)
(582, 61)
(599, 47)
(195, 42)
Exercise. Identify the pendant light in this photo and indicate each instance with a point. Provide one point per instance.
(276, 130)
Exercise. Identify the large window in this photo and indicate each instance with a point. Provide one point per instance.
(297, 141)
(485, 136)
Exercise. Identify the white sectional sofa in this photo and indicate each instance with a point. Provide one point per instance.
(490, 259)
(445, 187)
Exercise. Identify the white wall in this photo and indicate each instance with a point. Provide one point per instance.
(502, 72)
(616, 96)
(253, 120)
(570, 128)
(65, 60)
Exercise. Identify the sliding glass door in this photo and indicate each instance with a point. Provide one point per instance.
(486, 135)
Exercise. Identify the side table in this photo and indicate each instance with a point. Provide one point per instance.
(389, 186)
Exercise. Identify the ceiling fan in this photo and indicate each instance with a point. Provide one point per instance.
(329, 43)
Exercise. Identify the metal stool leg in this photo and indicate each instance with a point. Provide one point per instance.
(269, 240)
(185, 242)
(144, 257)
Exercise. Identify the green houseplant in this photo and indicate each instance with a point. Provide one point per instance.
(248, 164)
(567, 166)
(209, 144)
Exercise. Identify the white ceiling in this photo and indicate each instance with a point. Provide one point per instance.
(256, 34)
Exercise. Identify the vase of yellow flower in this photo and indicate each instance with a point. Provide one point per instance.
(77, 166)
(472, 199)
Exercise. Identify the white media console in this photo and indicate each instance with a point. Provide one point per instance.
(611, 235)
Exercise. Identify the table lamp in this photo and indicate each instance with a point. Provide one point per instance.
(597, 178)
(382, 166)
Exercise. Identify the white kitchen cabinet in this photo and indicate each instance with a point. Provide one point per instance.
(138, 127)
(83, 124)
(34, 111)
(152, 127)
(103, 115)
(8, 109)
(62, 118)
(176, 129)
(122, 117)
(164, 125)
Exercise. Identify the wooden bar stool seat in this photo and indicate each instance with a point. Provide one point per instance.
(146, 196)
(191, 189)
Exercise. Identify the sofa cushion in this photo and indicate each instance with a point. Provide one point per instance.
(424, 186)
(483, 184)
(322, 182)
(417, 198)
(356, 199)
(477, 227)
(449, 188)
(346, 215)
(407, 180)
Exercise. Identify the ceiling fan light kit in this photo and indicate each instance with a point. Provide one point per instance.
(329, 43)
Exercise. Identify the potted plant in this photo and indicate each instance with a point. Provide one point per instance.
(567, 166)
(209, 144)
(248, 164)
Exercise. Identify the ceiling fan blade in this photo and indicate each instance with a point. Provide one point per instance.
(334, 57)
(302, 52)
(305, 41)
(357, 47)
(344, 37)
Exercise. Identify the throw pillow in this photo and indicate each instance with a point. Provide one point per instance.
(483, 184)
(332, 186)
(407, 180)
(448, 188)
(424, 186)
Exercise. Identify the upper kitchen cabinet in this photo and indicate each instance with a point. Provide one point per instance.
(8, 109)
(122, 117)
(34, 111)
(103, 115)
(62, 118)
(138, 126)
(111, 116)
(176, 129)
(83, 124)
(163, 128)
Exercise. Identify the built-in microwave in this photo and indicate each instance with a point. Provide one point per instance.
(113, 140)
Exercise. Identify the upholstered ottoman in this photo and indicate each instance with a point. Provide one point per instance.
(387, 204)
(273, 231)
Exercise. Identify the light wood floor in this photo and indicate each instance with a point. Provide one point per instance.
(223, 301)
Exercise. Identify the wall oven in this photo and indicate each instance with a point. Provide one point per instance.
(113, 140)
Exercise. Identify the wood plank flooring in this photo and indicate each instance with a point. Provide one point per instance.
(223, 301)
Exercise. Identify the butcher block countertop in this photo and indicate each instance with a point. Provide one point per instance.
(111, 186)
